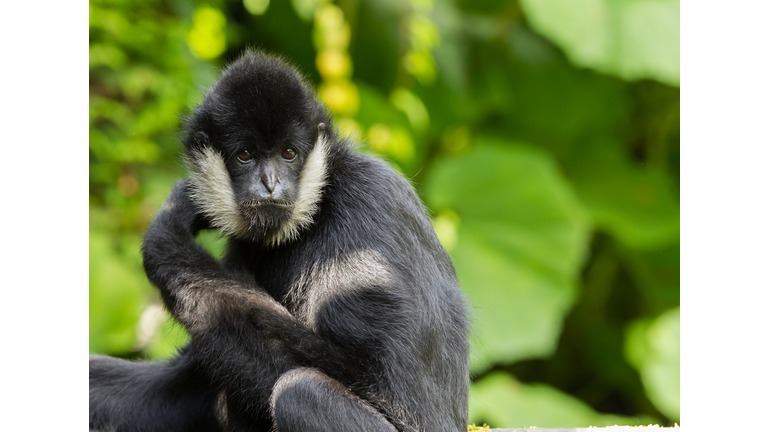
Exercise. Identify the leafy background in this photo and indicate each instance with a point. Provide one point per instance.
(544, 135)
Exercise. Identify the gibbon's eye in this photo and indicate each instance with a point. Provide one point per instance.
(245, 155)
(289, 154)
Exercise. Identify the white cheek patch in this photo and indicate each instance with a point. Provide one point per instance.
(211, 190)
(313, 179)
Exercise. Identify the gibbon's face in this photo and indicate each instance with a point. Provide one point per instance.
(265, 171)
(257, 158)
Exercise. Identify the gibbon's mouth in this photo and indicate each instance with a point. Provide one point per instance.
(267, 202)
(264, 216)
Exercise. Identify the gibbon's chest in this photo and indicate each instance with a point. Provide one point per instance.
(309, 286)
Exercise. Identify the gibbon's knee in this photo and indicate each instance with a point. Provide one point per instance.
(305, 399)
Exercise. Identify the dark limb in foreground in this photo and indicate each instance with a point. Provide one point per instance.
(246, 340)
(158, 396)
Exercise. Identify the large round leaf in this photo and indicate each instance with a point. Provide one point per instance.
(521, 240)
(629, 38)
(502, 402)
(653, 348)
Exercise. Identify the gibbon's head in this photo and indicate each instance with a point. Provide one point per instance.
(257, 149)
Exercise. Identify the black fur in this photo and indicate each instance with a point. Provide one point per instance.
(358, 324)
(163, 396)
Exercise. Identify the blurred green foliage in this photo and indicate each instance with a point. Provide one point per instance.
(543, 135)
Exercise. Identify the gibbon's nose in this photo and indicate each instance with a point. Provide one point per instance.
(269, 178)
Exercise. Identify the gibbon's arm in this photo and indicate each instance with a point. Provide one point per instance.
(245, 338)
(163, 396)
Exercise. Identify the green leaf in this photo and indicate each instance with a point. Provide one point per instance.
(214, 242)
(116, 293)
(375, 108)
(653, 348)
(633, 39)
(387, 129)
(256, 7)
(657, 273)
(168, 339)
(522, 239)
(502, 402)
(634, 203)
(305, 9)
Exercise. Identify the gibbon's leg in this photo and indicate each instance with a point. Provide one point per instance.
(168, 396)
(305, 399)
